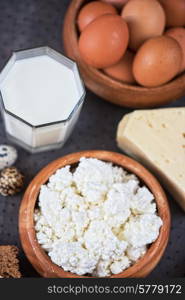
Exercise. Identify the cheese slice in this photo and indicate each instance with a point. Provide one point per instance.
(156, 138)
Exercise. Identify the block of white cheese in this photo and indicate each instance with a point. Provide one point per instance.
(156, 138)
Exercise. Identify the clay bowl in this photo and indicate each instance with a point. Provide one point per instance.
(114, 91)
(41, 261)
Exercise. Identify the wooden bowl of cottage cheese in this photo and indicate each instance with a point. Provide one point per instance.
(94, 214)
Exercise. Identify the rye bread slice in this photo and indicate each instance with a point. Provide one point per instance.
(9, 263)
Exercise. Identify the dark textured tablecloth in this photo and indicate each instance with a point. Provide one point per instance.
(31, 23)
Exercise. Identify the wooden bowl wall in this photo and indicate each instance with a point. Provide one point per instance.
(38, 257)
(108, 88)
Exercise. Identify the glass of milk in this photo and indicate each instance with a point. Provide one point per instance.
(41, 96)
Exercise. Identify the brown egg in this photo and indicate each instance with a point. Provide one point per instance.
(178, 33)
(123, 69)
(104, 41)
(93, 10)
(175, 12)
(145, 19)
(157, 61)
(117, 3)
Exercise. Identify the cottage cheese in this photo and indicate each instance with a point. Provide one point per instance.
(96, 220)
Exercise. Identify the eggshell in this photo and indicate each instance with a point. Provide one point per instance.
(178, 33)
(175, 12)
(8, 156)
(123, 69)
(93, 10)
(145, 19)
(117, 3)
(104, 41)
(157, 61)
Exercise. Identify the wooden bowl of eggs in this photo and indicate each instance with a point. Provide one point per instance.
(130, 52)
(43, 261)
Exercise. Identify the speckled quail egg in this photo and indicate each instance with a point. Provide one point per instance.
(8, 156)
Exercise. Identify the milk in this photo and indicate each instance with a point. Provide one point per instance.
(40, 90)
(41, 93)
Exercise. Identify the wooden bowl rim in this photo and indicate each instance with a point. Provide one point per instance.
(26, 223)
(100, 76)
